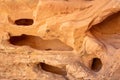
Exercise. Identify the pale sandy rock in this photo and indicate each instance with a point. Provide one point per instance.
(59, 39)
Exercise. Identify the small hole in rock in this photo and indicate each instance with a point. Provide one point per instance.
(96, 64)
(88, 0)
(52, 69)
(24, 22)
(66, 0)
(48, 49)
(38, 43)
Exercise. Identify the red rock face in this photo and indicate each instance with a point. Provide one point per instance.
(60, 39)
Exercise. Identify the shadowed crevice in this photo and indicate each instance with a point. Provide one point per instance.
(52, 69)
(96, 64)
(24, 22)
(38, 43)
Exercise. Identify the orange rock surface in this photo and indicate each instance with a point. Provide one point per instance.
(59, 39)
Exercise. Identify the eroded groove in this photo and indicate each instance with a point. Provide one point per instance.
(108, 31)
(52, 69)
(96, 64)
(24, 22)
(38, 43)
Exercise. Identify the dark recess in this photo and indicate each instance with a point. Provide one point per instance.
(52, 69)
(96, 64)
(36, 42)
(24, 22)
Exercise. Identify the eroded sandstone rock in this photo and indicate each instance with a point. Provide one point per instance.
(60, 39)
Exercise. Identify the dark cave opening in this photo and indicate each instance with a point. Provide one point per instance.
(52, 69)
(38, 43)
(24, 22)
(96, 64)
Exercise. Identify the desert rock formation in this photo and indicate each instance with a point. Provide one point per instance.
(59, 39)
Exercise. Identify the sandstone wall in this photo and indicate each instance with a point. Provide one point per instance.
(59, 39)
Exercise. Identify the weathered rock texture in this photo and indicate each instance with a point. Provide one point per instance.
(59, 39)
